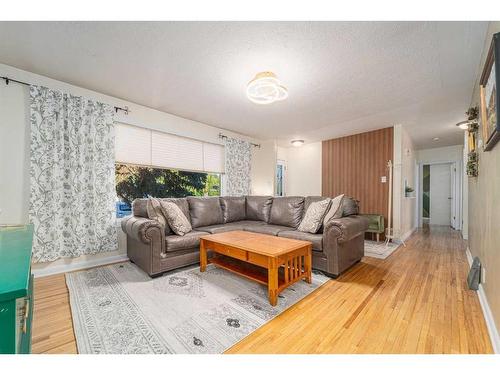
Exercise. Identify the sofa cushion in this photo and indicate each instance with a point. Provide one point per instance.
(314, 215)
(335, 210)
(258, 208)
(139, 207)
(233, 208)
(177, 221)
(287, 211)
(205, 211)
(220, 228)
(316, 239)
(228, 227)
(266, 229)
(188, 241)
(350, 206)
(313, 198)
(153, 208)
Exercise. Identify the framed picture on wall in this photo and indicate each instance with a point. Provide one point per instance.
(490, 100)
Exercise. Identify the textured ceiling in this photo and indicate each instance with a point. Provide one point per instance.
(342, 77)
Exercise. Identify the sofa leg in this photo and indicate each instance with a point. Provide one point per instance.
(156, 275)
(330, 275)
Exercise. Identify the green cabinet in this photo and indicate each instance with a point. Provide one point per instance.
(16, 289)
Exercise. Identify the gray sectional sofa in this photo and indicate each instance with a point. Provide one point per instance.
(156, 249)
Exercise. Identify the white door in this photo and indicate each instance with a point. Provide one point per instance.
(441, 196)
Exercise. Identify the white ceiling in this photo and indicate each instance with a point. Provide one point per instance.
(342, 77)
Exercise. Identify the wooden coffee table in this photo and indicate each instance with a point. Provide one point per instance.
(273, 261)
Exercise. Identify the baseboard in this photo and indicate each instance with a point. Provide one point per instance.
(488, 315)
(63, 268)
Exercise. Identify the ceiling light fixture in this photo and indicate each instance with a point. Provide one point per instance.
(435, 139)
(297, 142)
(265, 88)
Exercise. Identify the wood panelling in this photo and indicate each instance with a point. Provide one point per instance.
(353, 166)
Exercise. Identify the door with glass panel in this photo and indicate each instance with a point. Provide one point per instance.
(280, 178)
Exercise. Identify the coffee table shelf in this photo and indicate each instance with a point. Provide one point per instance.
(241, 269)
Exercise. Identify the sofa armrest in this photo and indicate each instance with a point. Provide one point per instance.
(143, 229)
(346, 228)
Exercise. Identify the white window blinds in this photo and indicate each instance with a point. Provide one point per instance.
(153, 148)
(132, 145)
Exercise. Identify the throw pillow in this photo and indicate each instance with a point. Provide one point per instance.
(350, 206)
(177, 221)
(313, 219)
(153, 208)
(335, 211)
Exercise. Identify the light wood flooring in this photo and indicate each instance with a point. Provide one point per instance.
(415, 301)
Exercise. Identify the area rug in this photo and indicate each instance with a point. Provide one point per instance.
(119, 309)
(379, 250)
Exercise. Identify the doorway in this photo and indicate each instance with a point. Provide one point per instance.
(438, 196)
(280, 178)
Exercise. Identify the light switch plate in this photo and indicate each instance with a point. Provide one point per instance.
(383, 179)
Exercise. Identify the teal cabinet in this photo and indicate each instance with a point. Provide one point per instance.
(16, 289)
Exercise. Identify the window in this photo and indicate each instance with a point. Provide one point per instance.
(140, 182)
(157, 164)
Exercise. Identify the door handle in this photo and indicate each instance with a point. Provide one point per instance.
(450, 198)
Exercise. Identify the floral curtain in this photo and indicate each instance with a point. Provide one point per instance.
(72, 201)
(238, 162)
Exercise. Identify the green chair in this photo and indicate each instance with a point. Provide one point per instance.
(375, 224)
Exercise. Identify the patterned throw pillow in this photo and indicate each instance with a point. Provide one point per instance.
(176, 219)
(335, 211)
(313, 219)
(153, 208)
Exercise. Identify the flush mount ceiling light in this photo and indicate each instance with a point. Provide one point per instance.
(297, 142)
(435, 139)
(265, 88)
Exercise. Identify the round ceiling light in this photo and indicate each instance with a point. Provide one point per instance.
(265, 88)
(297, 142)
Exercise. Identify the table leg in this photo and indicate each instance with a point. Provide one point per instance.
(272, 284)
(308, 265)
(203, 256)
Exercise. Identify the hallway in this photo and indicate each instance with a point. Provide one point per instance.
(415, 301)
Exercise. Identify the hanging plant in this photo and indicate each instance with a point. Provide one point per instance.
(472, 113)
(472, 164)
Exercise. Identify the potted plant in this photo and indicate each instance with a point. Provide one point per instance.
(472, 113)
(472, 164)
(409, 191)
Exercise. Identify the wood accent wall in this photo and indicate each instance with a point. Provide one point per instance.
(354, 166)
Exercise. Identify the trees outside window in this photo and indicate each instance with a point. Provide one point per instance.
(139, 182)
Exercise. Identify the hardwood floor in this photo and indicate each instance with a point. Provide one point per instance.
(415, 301)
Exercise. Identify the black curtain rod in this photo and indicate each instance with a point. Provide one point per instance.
(222, 136)
(8, 80)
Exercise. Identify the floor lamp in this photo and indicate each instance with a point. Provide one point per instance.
(390, 232)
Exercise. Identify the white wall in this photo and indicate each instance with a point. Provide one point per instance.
(14, 146)
(440, 154)
(404, 222)
(263, 169)
(303, 173)
(445, 155)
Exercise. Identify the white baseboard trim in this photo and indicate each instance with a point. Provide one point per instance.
(63, 268)
(488, 315)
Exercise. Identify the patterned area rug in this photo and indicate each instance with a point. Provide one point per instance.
(379, 250)
(119, 309)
